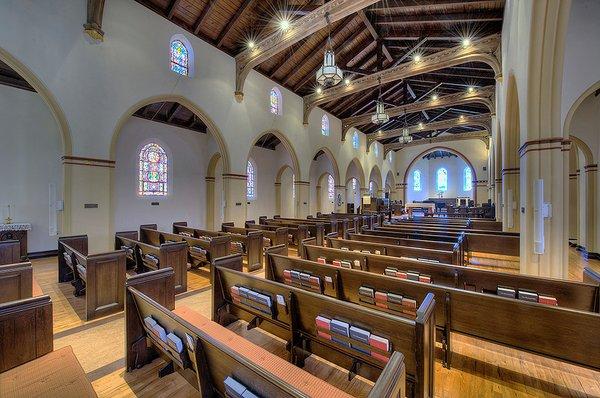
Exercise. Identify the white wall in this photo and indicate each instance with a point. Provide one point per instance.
(287, 193)
(30, 159)
(319, 167)
(188, 153)
(455, 167)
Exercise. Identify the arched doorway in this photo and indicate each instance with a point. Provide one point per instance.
(323, 164)
(355, 183)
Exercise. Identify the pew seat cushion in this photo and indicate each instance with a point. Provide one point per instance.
(82, 271)
(56, 374)
(298, 378)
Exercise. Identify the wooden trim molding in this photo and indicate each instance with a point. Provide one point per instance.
(230, 176)
(307, 183)
(82, 161)
(482, 50)
(590, 167)
(514, 170)
(299, 29)
(485, 95)
(545, 144)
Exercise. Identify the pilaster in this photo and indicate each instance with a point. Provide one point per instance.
(234, 190)
(302, 198)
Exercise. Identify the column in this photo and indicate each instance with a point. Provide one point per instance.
(591, 211)
(380, 193)
(573, 206)
(88, 207)
(401, 191)
(497, 176)
(210, 204)
(302, 198)
(340, 199)
(278, 198)
(234, 189)
(318, 206)
(481, 187)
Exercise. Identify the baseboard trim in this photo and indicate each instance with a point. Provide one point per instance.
(47, 253)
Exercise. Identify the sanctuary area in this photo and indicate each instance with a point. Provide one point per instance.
(299, 198)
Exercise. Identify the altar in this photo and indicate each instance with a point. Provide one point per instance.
(429, 206)
(16, 231)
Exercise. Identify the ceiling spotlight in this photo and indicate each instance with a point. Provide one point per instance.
(434, 97)
(471, 89)
(319, 90)
(462, 117)
(421, 125)
(251, 44)
(417, 58)
(466, 42)
(347, 82)
(284, 24)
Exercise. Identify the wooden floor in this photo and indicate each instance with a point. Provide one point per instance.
(480, 369)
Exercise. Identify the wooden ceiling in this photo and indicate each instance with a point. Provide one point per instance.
(9, 77)
(173, 114)
(383, 35)
(439, 155)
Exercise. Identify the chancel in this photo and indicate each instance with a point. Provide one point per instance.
(299, 198)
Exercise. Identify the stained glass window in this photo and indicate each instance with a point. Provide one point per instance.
(325, 125)
(390, 156)
(250, 181)
(354, 184)
(371, 188)
(179, 58)
(416, 181)
(275, 101)
(375, 149)
(153, 175)
(293, 186)
(331, 187)
(468, 183)
(355, 141)
(442, 180)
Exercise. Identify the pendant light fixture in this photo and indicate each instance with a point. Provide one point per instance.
(405, 138)
(380, 115)
(329, 74)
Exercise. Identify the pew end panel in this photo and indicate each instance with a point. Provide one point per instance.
(26, 331)
(105, 278)
(174, 255)
(10, 252)
(158, 285)
(78, 243)
(16, 282)
(593, 278)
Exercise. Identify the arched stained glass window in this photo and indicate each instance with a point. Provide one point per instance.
(153, 172)
(293, 186)
(390, 156)
(330, 187)
(371, 188)
(375, 149)
(179, 58)
(325, 125)
(468, 183)
(275, 101)
(417, 181)
(355, 140)
(354, 184)
(442, 180)
(250, 181)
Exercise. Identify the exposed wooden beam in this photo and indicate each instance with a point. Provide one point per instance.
(482, 120)
(172, 7)
(240, 11)
(482, 50)
(409, 52)
(442, 18)
(93, 25)
(374, 33)
(171, 113)
(15, 82)
(298, 30)
(429, 6)
(482, 135)
(205, 11)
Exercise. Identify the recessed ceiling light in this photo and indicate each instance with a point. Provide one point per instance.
(251, 44)
(417, 58)
(466, 42)
(434, 97)
(284, 24)
(319, 90)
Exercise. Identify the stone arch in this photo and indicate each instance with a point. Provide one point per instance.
(211, 126)
(278, 190)
(336, 169)
(281, 171)
(390, 180)
(286, 144)
(361, 176)
(375, 175)
(61, 121)
(567, 126)
(440, 148)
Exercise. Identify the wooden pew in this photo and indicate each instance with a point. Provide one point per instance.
(293, 314)
(441, 256)
(270, 238)
(25, 331)
(152, 257)
(16, 282)
(561, 333)
(249, 244)
(212, 353)
(316, 229)
(582, 296)
(468, 223)
(99, 276)
(296, 233)
(422, 243)
(343, 224)
(480, 241)
(10, 252)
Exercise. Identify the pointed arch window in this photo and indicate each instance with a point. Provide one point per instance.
(180, 58)
(371, 187)
(417, 180)
(330, 187)
(293, 186)
(442, 180)
(355, 140)
(153, 171)
(354, 184)
(375, 149)
(468, 179)
(325, 126)
(250, 180)
(275, 101)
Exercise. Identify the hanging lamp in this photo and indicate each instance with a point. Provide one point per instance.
(380, 115)
(405, 138)
(329, 74)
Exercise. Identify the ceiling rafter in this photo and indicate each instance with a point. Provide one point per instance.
(240, 11)
(376, 36)
(482, 135)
